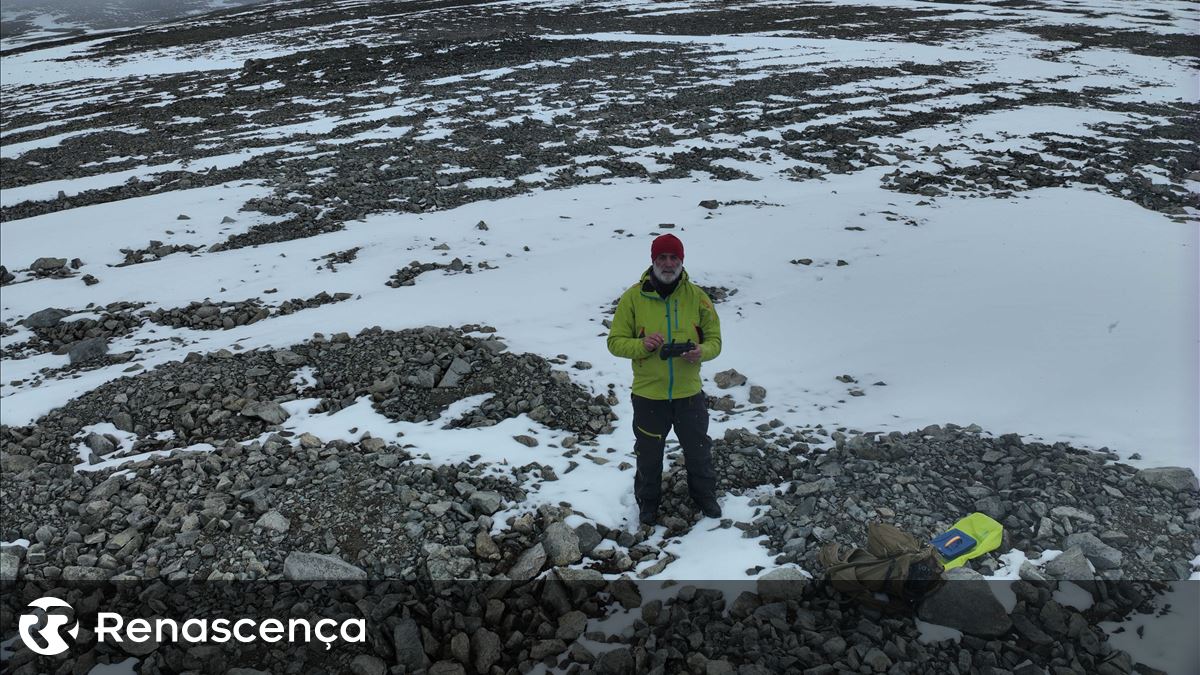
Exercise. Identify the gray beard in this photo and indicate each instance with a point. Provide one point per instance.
(659, 275)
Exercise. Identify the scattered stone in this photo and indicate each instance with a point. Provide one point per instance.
(781, 585)
(1072, 513)
(287, 357)
(87, 350)
(729, 378)
(99, 444)
(529, 564)
(309, 442)
(85, 574)
(10, 563)
(455, 373)
(966, 603)
(1101, 555)
(571, 625)
(267, 411)
(589, 538)
(143, 648)
(1071, 565)
(302, 566)
(408, 645)
(274, 521)
(365, 664)
(485, 645)
(561, 545)
(485, 502)
(877, 660)
(618, 661)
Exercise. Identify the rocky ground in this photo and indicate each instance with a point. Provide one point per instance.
(266, 511)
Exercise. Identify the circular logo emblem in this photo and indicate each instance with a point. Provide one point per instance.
(42, 631)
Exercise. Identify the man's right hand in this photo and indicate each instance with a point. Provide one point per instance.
(653, 341)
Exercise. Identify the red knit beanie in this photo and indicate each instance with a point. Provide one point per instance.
(667, 243)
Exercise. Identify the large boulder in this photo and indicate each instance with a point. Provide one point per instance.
(561, 544)
(48, 265)
(1101, 555)
(1071, 566)
(1173, 478)
(46, 318)
(300, 566)
(966, 603)
(267, 411)
(86, 350)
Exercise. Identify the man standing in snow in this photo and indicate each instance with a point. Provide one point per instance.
(664, 307)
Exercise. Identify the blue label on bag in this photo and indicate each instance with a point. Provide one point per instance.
(953, 543)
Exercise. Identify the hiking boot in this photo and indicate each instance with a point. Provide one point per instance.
(648, 517)
(710, 508)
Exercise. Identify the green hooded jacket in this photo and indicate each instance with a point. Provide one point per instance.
(686, 314)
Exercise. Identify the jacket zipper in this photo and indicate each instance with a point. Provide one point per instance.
(670, 362)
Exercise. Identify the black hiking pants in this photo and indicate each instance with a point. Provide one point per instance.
(652, 420)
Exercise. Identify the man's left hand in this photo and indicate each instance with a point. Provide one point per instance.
(694, 355)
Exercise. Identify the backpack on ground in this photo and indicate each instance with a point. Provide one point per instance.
(894, 563)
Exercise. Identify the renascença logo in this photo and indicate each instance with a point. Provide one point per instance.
(49, 640)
